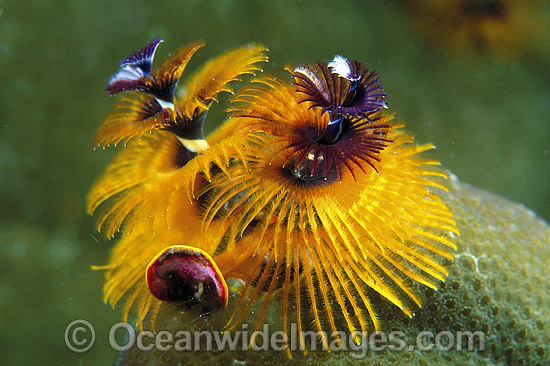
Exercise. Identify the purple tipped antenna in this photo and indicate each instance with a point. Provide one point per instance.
(134, 69)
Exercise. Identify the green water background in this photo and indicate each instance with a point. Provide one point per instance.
(488, 118)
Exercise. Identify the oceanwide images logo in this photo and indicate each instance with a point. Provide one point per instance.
(80, 337)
